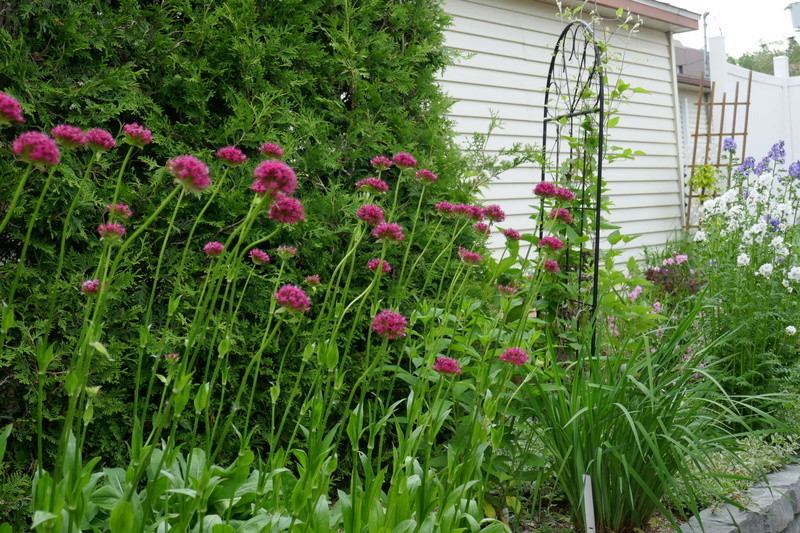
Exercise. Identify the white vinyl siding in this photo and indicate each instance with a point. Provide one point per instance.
(507, 45)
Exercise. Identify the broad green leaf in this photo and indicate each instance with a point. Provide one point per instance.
(121, 520)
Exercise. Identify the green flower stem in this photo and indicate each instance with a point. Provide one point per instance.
(118, 185)
(411, 236)
(15, 199)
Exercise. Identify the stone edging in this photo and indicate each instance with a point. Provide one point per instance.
(774, 508)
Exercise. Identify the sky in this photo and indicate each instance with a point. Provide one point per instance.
(744, 23)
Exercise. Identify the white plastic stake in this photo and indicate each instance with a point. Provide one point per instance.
(588, 504)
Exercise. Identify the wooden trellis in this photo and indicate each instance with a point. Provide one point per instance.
(715, 135)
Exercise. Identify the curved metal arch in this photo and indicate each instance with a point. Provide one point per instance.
(574, 106)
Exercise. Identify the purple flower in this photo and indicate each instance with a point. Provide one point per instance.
(470, 258)
(551, 266)
(774, 222)
(380, 162)
(545, 189)
(565, 194)
(390, 231)
(444, 208)
(287, 210)
(231, 156)
(274, 177)
(747, 166)
(494, 213)
(446, 365)
(100, 140)
(271, 151)
(389, 325)
(374, 264)
(561, 214)
(189, 172)
(515, 356)
(213, 248)
(729, 144)
(481, 228)
(512, 234)
(10, 110)
(137, 135)
(554, 243)
(259, 257)
(762, 167)
(404, 160)
(36, 148)
(426, 176)
(371, 214)
(90, 286)
(778, 152)
(293, 298)
(794, 169)
(69, 137)
(373, 185)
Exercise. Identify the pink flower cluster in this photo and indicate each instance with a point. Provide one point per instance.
(271, 151)
(259, 257)
(551, 265)
(507, 290)
(213, 249)
(404, 160)
(470, 258)
(373, 185)
(635, 293)
(374, 264)
(119, 210)
(481, 228)
(380, 162)
(69, 137)
(515, 356)
(286, 252)
(389, 231)
(100, 140)
(677, 260)
(561, 214)
(553, 243)
(231, 156)
(494, 213)
(137, 135)
(447, 365)
(612, 326)
(512, 234)
(10, 110)
(111, 231)
(273, 177)
(287, 210)
(426, 176)
(389, 325)
(36, 148)
(90, 286)
(371, 214)
(546, 189)
(314, 279)
(293, 298)
(189, 172)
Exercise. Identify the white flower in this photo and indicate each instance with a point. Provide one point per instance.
(743, 260)
(791, 330)
(794, 274)
(700, 236)
(765, 270)
(788, 286)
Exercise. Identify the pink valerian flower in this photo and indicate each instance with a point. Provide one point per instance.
(259, 257)
(231, 156)
(390, 231)
(273, 177)
(373, 185)
(271, 151)
(286, 252)
(551, 266)
(404, 160)
(475, 212)
(100, 140)
(515, 356)
(481, 228)
(287, 210)
(635, 293)
(426, 176)
(565, 194)
(657, 307)
(446, 365)
(545, 189)
(36, 148)
(314, 279)
(380, 162)
(10, 110)
(293, 298)
(70, 137)
(561, 214)
(137, 135)
(512, 234)
(213, 249)
(507, 290)
(371, 214)
(171, 357)
(680, 259)
(119, 210)
(554, 243)
(90, 286)
(612, 326)
(470, 258)
(111, 232)
(444, 208)
(189, 172)
(494, 213)
(374, 264)
(389, 325)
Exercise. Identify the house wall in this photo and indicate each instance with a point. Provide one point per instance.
(507, 46)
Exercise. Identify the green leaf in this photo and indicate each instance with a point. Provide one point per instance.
(100, 347)
(8, 319)
(223, 347)
(201, 397)
(40, 517)
(121, 520)
(4, 440)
